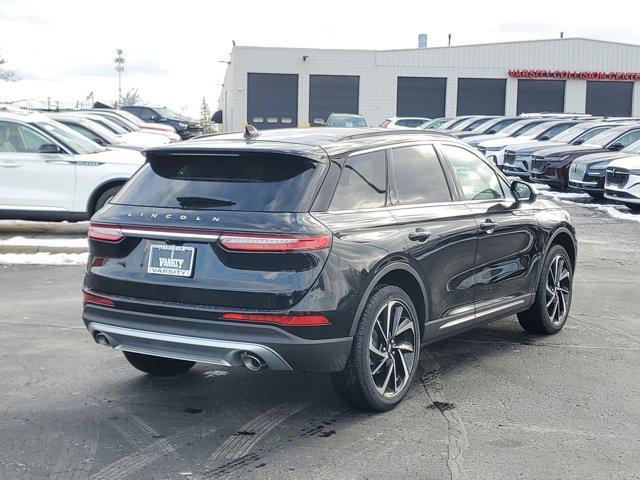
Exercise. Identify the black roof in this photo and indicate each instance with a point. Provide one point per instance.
(305, 141)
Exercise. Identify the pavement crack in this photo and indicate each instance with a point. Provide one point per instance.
(456, 431)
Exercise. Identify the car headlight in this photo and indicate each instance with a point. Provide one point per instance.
(183, 125)
(598, 167)
(634, 172)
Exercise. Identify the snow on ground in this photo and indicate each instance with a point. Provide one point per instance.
(564, 195)
(43, 258)
(621, 213)
(45, 242)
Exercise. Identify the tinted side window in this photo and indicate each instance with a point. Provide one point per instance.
(362, 183)
(628, 138)
(20, 139)
(477, 179)
(418, 176)
(556, 129)
(413, 123)
(591, 133)
(145, 113)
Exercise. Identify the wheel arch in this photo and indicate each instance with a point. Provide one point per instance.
(402, 275)
(565, 238)
(99, 190)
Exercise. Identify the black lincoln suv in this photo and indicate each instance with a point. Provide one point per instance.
(330, 250)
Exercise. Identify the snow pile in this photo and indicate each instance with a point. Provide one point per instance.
(565, 195)
(45, 242)
(43, 258)
(618, 213)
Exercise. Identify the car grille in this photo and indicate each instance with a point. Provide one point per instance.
(509, 158)
(577, 171)
(537, 164)
(617, 177)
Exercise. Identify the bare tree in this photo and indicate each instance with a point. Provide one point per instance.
(132, 97)
(6, 75)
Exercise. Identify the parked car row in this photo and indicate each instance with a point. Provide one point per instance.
(596, 155)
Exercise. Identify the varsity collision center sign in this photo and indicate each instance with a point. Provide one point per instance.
(573, 75)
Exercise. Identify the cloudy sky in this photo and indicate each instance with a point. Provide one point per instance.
(175, 51)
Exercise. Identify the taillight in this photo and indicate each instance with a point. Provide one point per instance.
(249, 242)
(104, 232)
(285, 320)
(97, 299)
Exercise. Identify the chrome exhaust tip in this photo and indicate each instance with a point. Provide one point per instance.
(252, 361)
(102, 339)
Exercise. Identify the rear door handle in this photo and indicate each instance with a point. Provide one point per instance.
(8, 164)
(419, 235)
(488, 226)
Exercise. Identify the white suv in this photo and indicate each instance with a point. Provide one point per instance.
(404, 122)
(50, 172)
(622, 182)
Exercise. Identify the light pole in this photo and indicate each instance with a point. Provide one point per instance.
(119, 61)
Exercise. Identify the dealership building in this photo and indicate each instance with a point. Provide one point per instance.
(285, 87)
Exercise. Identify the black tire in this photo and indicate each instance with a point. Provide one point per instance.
(596, 195)
(105, 197)
(356, 384)
(538, 318)
(158, 366)
(633, 206)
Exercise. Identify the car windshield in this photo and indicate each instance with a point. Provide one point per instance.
(540, 129)
(571, 133)
(129, 116)
(72, 139)
(604, 138)
(347, 122)
(95, 128)
(497, 125)
(633, 148)
(519, 128)
(167, 113)
(477, 124)
(123, 122)
(106, 123)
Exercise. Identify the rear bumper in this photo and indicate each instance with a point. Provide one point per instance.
(213, 342)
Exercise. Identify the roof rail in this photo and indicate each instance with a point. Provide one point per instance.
(416, 131)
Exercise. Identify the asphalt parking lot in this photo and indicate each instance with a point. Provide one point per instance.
(496, 403)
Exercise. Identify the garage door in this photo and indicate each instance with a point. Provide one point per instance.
(481, 96)
(332, 94)
(272, 100)
(421, 97)
(540, 96)
(609, 98)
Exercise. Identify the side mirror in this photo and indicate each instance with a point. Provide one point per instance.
(492, 131)
(580, 141)
(523, 192)
(49, 148)
(616, 147)
(544, 137)
(99, 141)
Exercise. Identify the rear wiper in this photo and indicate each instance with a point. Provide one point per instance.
(203, 202)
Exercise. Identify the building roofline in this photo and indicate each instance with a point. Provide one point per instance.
(511, 42)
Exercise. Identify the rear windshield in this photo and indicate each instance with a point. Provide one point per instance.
(253, 182)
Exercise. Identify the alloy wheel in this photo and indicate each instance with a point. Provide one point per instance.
(558, 290)
(392, 348)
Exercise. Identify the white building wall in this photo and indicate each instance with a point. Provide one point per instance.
(378, 71)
